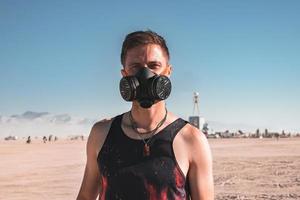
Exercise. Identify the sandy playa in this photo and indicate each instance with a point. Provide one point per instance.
(243, 169)
(257, 168)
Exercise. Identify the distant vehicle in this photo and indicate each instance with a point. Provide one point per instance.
(11, 138)
(212, 136)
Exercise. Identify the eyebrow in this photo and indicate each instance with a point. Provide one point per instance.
(151, 62)
(133, 64)
(155, 62)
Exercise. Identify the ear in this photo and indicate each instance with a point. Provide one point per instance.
(123, 72)
(169, 70)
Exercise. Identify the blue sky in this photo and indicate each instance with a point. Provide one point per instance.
(241, 56)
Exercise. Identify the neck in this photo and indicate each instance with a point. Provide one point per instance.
(148, 119)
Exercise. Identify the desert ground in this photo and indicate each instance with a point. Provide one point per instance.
(243, 169)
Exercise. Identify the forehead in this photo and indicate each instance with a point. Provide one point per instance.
(145, 54)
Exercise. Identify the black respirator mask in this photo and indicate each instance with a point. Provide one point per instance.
(145, 87)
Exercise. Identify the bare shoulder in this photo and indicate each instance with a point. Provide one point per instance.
(193, 135)
(195, 141)
(192, 138)
(200, 163)
(98, 134)
(101, 125)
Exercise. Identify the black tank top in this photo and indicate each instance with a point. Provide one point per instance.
(126, 174)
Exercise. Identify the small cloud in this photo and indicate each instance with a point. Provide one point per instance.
(61, 119)
(29, 115)
(83, 121)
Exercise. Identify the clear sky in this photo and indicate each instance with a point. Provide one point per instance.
(243, 57)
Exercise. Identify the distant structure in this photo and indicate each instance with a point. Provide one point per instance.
(196, 103)
(11, 138)
(195, 119)
(77, 137)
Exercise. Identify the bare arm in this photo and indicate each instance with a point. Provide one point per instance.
(90, 186)
(200, 171)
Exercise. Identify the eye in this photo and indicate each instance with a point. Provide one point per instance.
(134, 67)
(154, 65)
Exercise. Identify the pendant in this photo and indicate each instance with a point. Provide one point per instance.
(146, 150)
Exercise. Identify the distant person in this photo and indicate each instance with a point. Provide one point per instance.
(277, 136)
(28, 141)
(50, 138)
(148, 152)
(45, 139)
(55, 138)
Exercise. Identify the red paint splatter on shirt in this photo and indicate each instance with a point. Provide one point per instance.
(151, 190)
(179, 179)
(154, 194)
(163, 194)
(103, 187)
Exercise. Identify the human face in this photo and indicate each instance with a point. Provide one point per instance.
(151, 56)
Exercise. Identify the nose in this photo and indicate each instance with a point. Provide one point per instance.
(145, 65)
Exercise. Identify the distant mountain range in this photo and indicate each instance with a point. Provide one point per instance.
(44, 123)
(220, 126)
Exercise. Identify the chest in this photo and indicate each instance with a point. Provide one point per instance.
(130, 175)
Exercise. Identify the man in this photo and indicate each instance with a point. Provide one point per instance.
(148, 152)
